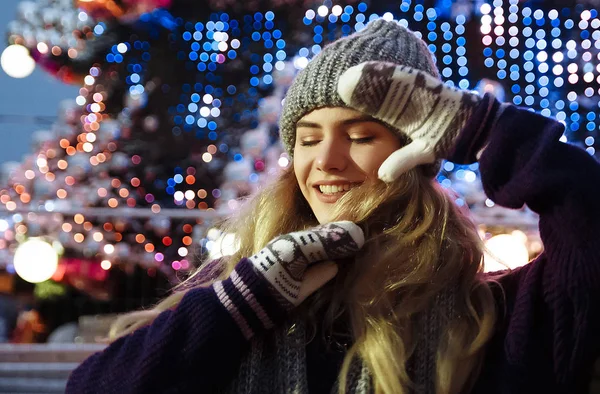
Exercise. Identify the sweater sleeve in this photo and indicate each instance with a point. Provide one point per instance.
(199, 344)
(525, 163)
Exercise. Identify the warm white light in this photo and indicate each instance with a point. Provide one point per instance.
(42, 48)
(16, 62)
(586, 15)
(470, 176)
(105, 264)
(542, 56)
(505, 251)
(204, 112)
(300, 62)
(557, 70)
(224, 245)
(283, 162)
(35, 260)
(213, 233)
(41, 162)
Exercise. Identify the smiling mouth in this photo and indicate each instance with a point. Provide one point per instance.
(335, 189)
(331, 193)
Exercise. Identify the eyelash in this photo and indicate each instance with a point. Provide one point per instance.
(365, 140)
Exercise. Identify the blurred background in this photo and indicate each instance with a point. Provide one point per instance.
(28, 104)
(129, 128)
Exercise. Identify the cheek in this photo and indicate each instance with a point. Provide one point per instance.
(369, 160)
(383, 154)
(300, 172)
(297, 167)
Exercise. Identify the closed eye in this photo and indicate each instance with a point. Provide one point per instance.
(309, 143)
(364, 140)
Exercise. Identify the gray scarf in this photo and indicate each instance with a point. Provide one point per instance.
(276, 363)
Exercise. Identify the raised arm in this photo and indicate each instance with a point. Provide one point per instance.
(525, 163)
(554, 301)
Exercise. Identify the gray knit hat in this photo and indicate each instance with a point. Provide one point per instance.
(316, 86)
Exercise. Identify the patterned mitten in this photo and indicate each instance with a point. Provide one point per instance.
(285, 259)
(421, 106)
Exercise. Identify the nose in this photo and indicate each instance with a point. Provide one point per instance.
(331, 156)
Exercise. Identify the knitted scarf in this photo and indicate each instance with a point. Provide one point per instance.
(277, 363)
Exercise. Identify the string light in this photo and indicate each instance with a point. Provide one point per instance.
(534, 54)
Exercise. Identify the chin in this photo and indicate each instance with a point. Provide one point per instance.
(327, 217)
(323, 217)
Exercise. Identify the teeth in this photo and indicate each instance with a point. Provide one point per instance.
(332, 189)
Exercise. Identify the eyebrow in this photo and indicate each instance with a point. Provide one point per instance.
(346, 122)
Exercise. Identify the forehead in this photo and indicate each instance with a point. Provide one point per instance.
(332, 115)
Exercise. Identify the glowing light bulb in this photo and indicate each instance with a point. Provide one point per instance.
(35, 260)
(506, 251)
(16, 61)
(323, 10)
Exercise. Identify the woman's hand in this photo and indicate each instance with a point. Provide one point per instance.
(299, 263)
(419, 105)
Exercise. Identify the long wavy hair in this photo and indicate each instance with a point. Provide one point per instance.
(418, 245)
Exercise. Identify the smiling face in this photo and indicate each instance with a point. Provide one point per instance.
(337, 149)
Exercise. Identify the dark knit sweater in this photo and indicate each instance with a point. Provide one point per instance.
(548, 334)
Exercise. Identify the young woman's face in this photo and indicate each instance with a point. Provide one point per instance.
(337, 149)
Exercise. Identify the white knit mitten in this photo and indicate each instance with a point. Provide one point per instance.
(284, 260)
(419, 105)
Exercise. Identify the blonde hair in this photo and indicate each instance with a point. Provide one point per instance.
(419, 244)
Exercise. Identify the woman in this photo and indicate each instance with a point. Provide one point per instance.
(387, 294)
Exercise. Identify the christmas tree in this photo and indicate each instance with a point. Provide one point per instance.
(151, 133)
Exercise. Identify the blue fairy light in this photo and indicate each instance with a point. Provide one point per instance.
(99, 29)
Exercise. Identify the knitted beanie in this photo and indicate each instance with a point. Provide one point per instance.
(316, 85)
